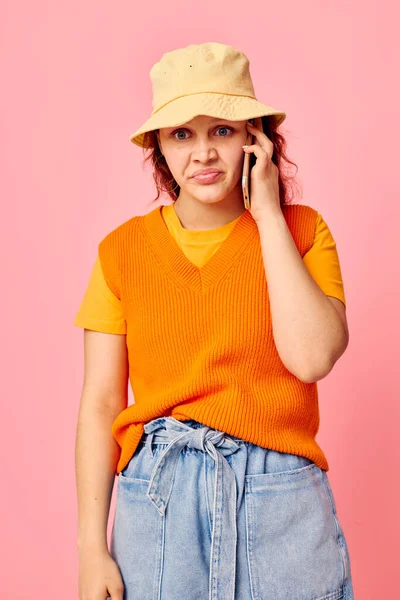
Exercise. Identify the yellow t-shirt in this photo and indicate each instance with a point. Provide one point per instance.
(101, 310)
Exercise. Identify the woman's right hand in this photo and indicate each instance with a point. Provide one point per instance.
(99, 576)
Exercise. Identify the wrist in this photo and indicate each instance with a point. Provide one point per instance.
(92, 545)
(268, 215)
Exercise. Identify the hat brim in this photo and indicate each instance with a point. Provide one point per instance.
(223, 106)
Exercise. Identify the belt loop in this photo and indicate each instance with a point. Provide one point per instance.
(149, 443)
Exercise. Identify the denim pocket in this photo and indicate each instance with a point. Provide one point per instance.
(292, 536)
(137, 537)
(340, 535)
(142, 462)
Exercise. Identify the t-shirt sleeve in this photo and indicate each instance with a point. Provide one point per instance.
(322, 262)
(100, 309)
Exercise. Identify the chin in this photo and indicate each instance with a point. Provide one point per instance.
(213, 193)
(211, 198)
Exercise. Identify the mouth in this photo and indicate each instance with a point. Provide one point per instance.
(207, 178)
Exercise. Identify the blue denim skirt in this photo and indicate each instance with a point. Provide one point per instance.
(202, 515)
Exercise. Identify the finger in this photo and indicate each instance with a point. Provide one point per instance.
(262, 139)
(258, 150)
(258, 123)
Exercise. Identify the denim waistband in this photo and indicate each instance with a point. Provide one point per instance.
(160, 439)
(218, 444)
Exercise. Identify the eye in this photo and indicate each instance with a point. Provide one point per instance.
(178, 131)
(218, 129)
(228, 128)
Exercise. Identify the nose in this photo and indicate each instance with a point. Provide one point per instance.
(204, 150)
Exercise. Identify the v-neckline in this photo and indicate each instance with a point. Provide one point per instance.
(174, 260)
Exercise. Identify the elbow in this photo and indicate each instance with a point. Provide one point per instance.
(315, 375)
(326, 366)
(311, 375)
(317, 364)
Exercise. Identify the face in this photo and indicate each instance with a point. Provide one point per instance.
(205, 142)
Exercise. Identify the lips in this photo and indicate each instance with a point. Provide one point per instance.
(205, 172)
(208, 178)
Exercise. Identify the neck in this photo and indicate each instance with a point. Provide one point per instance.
(199, 215)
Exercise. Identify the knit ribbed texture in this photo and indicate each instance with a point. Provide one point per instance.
(200, 340)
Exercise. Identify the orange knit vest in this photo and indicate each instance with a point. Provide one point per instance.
(200, 341)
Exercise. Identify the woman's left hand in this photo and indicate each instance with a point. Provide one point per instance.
(264, 187)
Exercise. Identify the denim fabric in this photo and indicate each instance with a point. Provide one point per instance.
(201, 515)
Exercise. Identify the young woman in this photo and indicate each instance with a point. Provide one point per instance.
(223, 319)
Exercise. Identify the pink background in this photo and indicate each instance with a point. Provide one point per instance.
(75, 81)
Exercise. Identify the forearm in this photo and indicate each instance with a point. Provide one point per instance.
(307, 329)
(96, 456)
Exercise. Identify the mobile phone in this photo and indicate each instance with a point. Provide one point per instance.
(248, 163)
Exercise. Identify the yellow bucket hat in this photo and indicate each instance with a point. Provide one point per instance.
(210, 79)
